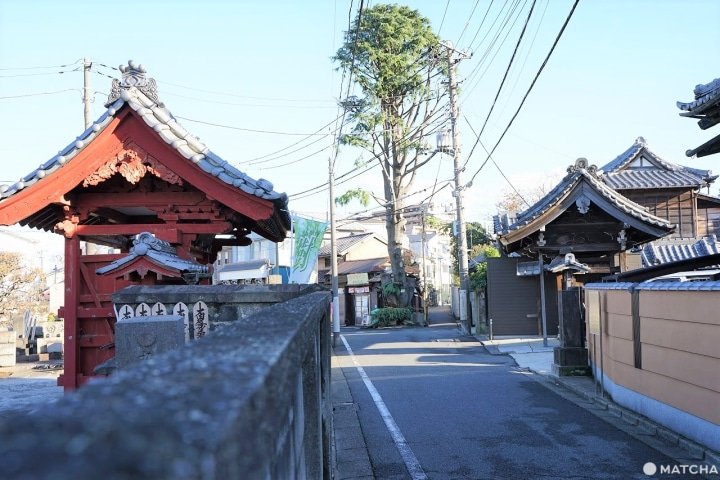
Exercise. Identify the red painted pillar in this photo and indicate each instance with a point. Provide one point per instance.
(69, 379)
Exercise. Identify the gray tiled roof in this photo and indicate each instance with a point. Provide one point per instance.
(138, 93)
(567, 184)
(344, 244)
(243, 266)
(664, 174)
(159, 251)
(706, 95)
(659, 253)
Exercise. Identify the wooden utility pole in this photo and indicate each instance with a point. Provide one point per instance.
(458, 193)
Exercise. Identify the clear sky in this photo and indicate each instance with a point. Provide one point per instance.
(266, 66)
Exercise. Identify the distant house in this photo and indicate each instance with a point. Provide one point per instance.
(255, 262)
(360, 260)
(670, 191)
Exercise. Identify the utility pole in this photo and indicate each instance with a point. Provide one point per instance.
(333, 255)
(86, 91)
(424, 275)
(458, 193)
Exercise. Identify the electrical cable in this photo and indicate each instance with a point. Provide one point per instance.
(271, 132)
(41, 93)
(527, 93)
(442, 22)
(505, 76)
(38, 68)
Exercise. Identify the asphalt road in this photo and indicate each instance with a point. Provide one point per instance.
(466, 414)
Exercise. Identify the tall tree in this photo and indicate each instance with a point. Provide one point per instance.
(392, 54)
(20, 287)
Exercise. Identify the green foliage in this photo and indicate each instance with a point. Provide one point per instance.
(389, 316)
(476, 236)
(437, 224)
(390, 289)
(384, 49)
(478, 277)
(362, 196)
(393, 55)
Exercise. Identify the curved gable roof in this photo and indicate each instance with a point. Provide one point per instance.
(137, 93)
(579, 177)
(663, 174)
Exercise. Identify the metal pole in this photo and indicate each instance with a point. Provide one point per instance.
(542, 300)
(461, 235)
(333, 255)
(424, 276)
(86, 91)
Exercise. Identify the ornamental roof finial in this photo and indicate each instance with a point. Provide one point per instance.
(640, 141)
(133, 76)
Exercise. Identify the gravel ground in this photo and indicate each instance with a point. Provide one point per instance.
(29, 387)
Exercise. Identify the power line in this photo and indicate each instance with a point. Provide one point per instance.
(263, 105)
(253, 160)
(41, 67)
(271, 132)
(495, 163)
(40, 93)
(442, 22)
(40, 74)
(472, 12)
(527, 55)
(297, 160)
(491, 47)
(502, 83)
(482, 22)
(537, 75)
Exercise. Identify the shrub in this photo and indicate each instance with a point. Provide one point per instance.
(388, 316)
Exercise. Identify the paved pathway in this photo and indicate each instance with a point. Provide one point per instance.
(434, 404)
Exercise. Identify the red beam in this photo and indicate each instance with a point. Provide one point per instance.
(134, 199)
(156, 228)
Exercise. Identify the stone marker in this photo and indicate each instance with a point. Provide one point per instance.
(142, 337)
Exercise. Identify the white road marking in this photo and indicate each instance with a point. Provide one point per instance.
(411, 461)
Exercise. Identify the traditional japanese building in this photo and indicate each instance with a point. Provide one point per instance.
(706, 108)
(581, 216)
(676, 193)
(136, 170)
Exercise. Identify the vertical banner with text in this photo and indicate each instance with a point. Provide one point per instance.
(308, 237)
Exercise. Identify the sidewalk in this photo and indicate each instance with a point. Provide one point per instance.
(350, 454)
(530, 353)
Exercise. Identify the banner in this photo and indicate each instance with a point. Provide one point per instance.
(308, 237)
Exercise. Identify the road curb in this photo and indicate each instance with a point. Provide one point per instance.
(694, 450)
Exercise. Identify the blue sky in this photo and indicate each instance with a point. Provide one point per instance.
(615, 75)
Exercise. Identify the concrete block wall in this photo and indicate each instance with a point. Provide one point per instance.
(250, 400)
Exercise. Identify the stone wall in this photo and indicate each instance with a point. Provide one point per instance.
(250, 400)
(226, 303)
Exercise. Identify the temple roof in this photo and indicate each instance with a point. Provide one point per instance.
(583, 184)
(656, 172)
(705, 107)
(145, 245)
(139, 93)
(707, 97)
(660, 253)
